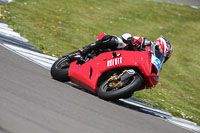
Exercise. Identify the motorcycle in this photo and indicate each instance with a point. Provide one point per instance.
(112, 75)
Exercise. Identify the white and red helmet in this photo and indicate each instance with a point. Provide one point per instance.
(164, 46)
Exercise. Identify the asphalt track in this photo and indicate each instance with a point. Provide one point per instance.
(193, 3)
(32, 102)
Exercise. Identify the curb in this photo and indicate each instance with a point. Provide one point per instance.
(5, 1)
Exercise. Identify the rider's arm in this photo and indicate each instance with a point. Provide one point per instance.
(146, 42)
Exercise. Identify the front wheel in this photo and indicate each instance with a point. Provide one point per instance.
(59, 70)
(111, 90)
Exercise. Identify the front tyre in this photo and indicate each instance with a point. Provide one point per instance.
(59, 70)
(110, 90)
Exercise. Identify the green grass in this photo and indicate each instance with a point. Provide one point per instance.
(58, 27)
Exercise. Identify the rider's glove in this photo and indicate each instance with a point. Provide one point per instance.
(133, 42)
(137, 44)
(130, 41)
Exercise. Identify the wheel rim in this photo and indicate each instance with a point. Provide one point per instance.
(114, 86)
(63, 64)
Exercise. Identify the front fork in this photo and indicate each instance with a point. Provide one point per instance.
(123, 76)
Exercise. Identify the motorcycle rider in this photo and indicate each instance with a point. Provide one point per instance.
(128, 42)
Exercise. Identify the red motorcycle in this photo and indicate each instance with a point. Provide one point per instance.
(114, 74)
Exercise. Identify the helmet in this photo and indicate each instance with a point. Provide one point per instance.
(164, 46)
(127, 38)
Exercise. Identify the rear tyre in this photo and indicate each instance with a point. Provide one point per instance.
(107, 92)
(59, 70)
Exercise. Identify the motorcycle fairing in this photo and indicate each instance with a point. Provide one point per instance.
(157, 63)
(88, 74)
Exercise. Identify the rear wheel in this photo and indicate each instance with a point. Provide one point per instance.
(59, 70)
(111, 89)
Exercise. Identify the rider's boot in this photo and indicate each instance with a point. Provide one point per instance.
(75, 56)
(72, 56)
(85, 50)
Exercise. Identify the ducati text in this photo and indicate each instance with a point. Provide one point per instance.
(113, 62)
